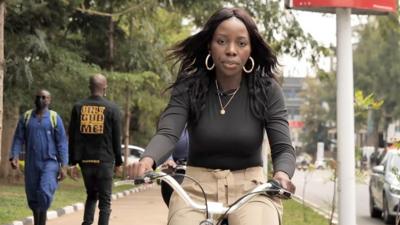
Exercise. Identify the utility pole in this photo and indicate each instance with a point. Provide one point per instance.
(345, 119)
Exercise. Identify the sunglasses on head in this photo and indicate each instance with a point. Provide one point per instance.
(41, 96)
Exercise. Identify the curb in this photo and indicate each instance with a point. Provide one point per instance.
(316, 208)
(53, 214)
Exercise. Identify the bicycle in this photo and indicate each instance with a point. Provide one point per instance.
(272, 189)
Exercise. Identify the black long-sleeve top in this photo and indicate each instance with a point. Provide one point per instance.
(230, 141)
(94, 131)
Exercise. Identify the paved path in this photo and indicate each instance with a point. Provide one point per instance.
(141, 208)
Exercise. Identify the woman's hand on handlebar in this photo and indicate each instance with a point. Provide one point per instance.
(143, 166)
(170, 163)
(285, 181)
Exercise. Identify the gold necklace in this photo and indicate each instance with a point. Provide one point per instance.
(223, 107)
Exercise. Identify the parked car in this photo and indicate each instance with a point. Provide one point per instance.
(384, 187)
(134, 153)
(303, 161)
(320, 164)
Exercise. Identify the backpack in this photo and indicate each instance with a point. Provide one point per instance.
(53, 117)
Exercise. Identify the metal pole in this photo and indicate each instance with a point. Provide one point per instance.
(345, 119)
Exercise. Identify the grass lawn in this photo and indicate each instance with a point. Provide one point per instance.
(14, 207)
(293, 215)
(12, 197)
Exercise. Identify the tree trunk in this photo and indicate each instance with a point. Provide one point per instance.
(126, 131)
(3, 155)
(111, 42)
(372, 129)
(11, 116)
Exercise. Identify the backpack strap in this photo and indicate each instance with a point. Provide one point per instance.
(27, 116)
(53, 117)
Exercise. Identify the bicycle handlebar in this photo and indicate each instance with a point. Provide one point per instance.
(272, 188)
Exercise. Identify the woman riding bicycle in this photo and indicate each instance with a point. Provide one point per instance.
(227, 93)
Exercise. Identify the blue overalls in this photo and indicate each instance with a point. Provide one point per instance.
(46, 149)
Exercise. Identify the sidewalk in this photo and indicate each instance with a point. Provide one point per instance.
(145, 207)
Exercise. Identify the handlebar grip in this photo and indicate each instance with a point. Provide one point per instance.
(278, 190)
(286, 194)
(142, 180)
(139, 181)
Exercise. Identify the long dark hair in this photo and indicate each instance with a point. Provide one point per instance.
(192, 52)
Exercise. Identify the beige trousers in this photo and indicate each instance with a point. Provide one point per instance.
(225, 186)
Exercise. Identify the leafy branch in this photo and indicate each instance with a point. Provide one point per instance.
(133, 7)
(363, 103)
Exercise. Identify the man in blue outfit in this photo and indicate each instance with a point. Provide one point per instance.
(40, 132)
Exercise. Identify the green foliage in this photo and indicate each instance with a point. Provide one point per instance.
(66, 77)
(145, 101)
(277, 25)
(198, 11)
(364, 103)
(29, 25)
(358, 154)
(14, 205)
(318, 110)
(57, 45)
(147, 39)
(13, 198)
(294, 213)
(281, 29)
(376, 66)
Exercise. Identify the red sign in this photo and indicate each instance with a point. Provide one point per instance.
(296, 124)
(357, 6)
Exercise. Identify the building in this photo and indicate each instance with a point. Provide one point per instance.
(292, 86)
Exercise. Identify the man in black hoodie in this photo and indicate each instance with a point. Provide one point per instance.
(94, 143)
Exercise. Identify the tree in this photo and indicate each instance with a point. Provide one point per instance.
(2, 16)
(318, 110)
(126, 87)
(30, 28)
(376, 69)
(58, 44)
(278, 26)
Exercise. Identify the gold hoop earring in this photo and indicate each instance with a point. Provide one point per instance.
(252, 66)
(213, 65)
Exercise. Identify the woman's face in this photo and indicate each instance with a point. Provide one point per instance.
(230, 47)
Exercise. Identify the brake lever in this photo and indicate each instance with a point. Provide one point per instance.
(284, 194)
(278, 190)
(141, 180)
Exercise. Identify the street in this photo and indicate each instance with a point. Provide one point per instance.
(319, 191)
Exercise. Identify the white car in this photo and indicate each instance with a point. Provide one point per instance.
(134, 153)
(384, 187)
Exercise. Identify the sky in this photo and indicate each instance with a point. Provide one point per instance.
(323, 28)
